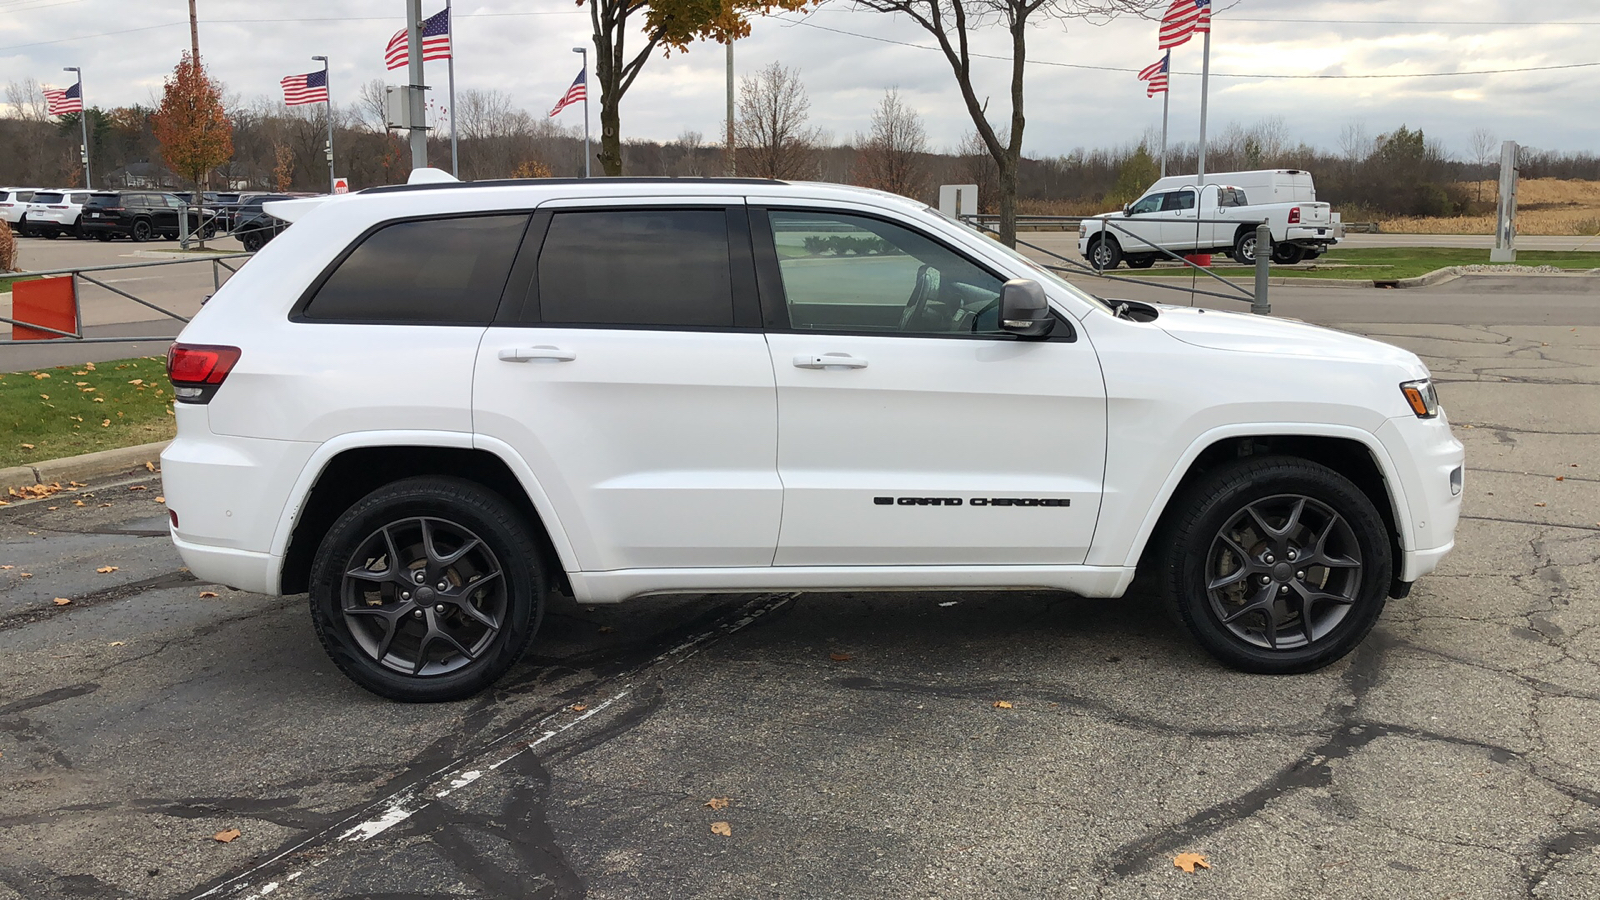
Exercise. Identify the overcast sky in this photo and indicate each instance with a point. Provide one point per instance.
(524, 48)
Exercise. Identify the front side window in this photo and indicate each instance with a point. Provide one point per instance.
(1148, 204)
(434, 270)
(637, 267)
(843, 272)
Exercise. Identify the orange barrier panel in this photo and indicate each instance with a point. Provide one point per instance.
(51, 302)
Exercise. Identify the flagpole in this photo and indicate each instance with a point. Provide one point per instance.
(583, 53)
(1205, 81)
(1166, 107)
(83, 119)
(450, 25)
(327, 86)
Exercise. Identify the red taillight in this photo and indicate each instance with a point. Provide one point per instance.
(1294, 216)
(197, 369)
(173, 515)
(58, 207)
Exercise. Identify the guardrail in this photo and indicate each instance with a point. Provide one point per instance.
(1258, 299)
(77, 274)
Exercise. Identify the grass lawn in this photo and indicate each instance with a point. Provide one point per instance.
(5, 283)
(1385, 263)
(67, 410)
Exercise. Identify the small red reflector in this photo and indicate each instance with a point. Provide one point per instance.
(173, 514)
(1294, 216)
(200, 363)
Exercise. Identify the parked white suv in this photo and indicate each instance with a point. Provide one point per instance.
(431, 405)
(56, 212)
(14, 207)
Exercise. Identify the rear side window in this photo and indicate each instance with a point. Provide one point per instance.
(436, 270)
(655, 267)
(47, 198)
(104, 200)
(1230, 196)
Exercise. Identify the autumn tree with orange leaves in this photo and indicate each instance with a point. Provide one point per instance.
(195, 133)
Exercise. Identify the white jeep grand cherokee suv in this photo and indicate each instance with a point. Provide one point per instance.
(431, 405)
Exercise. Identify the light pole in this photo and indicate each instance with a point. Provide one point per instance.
(419, 116)
(730, 165)
(583, 53)
(327, 85)
(83, 119)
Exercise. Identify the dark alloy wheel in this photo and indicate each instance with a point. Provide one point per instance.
(252, 241)
(1105, 253)
(142, 231)
(427, 589)
(1277, 564)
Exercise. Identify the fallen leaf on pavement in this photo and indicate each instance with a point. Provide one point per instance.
(836, 656)
(106, 570)
(1002, 704)
(149, 466)
(223, 837)
(7, 567)
(722, 828)
(606, 629)
(1187, 862)
(579, 707)
(116, 643)
(24, 574)
(139, 487)
(161, 499)
(79, 503)
(1538, 504)
(1561, 478)
(718, 803)
(62, 601)
(206, 595)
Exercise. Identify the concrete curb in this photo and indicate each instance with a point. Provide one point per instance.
(121, 461)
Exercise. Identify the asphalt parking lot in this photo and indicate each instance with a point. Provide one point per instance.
(866, 745)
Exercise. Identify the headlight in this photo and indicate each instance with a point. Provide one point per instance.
(1420, 394)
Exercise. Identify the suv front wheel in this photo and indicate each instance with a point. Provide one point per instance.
(428, 589)
(1277, 564)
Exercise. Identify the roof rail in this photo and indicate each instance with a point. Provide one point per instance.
(524, 182)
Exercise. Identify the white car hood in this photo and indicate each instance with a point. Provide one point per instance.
(1248, 333)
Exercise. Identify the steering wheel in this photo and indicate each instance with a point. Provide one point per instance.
(927, 285)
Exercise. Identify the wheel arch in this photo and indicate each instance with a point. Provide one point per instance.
(342, 472)
(1355, 454)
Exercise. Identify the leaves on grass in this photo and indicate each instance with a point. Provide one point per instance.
(106, 570)
(1002, 704)
(718, 802)
(44, 396)
(722, 828)
(106, 424)
(39, 375)
(1187, 862)
(27, 446)
(62, 601)
(836, 656)
(206, 595)
(225, 837)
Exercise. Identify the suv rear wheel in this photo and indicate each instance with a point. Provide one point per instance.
(142, 230)
(1277, 564)
(428, 589)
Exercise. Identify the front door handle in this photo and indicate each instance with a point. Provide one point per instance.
(829, 361)
(541, 352)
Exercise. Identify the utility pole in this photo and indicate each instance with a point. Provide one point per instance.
(194, 32)
(730, 165)
(419, 115)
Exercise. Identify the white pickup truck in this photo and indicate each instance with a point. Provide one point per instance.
(1166, 217)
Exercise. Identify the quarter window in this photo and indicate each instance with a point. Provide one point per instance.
(437, 270)
(853, 273)
(640, 267)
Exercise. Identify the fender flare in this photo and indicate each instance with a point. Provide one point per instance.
(457, 440)
(1380, 455)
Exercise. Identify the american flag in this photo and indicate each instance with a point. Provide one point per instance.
(1157, 74)
(60, 101)
(578, 91)
(435, 41)
(311, 87)
(1184, 19)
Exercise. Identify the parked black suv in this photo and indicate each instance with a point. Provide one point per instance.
(252, 226)
(140, 215)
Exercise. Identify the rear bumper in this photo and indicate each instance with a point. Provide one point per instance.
(1311, 234)
(247, 570)
(111, 225)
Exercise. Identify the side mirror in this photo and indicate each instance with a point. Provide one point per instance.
(1024, 311)
(1127, 209)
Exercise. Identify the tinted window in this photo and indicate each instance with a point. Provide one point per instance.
(1149, 204)
(79, 198)
(440, 270)
(46, 197)
(104, 200)
(1179, 200)
(1232, 197)
(637, 267)
(853, 273)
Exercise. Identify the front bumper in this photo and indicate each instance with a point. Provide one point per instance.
(1431, 466)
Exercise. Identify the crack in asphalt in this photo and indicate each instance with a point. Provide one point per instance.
(160, 582)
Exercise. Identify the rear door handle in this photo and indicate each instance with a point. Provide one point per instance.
(543, 352)
(829, 361)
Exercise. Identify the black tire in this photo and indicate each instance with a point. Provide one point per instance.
(77, 230)
(452, 655)
(103, 236)
(142, 230)
(1312, 254)
(1233, 614)
(52, 234)
(253, 241)
(23, 229)
(1287, 254)
(1141, 261)
(1244, 247)
(1104, 253)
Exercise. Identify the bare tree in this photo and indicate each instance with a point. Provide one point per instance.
(684, 154)
(892, 155)
(773, 138)
(977, 166)
(369, 109)
(1485, 147)
(951, 23)
(26, 100)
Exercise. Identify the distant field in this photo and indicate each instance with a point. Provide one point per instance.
(1544, 206)
(1384, 263)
